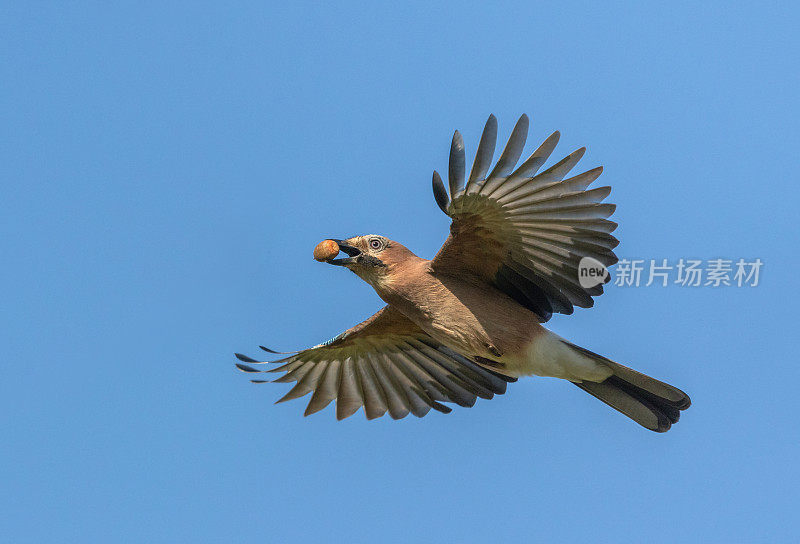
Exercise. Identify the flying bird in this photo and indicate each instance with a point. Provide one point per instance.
(469, 321)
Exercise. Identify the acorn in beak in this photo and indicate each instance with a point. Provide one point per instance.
(328, 249)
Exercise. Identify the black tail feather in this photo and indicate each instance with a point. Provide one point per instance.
(649, 402)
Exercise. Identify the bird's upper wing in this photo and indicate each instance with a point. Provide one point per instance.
(386, 363)
(523, 232)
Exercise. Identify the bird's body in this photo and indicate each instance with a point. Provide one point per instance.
(461, 312)
(476, 319)
(463, 324)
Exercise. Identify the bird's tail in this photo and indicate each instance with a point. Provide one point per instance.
(652, 404)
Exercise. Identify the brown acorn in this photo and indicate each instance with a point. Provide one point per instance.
(326, 250)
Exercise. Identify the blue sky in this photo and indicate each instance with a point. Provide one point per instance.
(167, 171)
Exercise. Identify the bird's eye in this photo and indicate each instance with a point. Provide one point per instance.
(375, 243)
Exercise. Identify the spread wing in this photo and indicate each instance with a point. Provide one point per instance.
(522, 231)
(386, 363)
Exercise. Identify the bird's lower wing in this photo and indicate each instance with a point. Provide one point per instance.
(524, 232)
(385, 364)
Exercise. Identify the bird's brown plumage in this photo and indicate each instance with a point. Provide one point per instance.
(386, 363)
(461, 325)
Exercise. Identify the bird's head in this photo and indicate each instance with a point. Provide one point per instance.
(372, 257)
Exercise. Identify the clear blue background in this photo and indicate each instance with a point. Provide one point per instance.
(167, 170)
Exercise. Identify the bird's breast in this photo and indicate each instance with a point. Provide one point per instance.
(470, 317)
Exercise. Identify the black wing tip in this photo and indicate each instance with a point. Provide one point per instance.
(440, 193)
(555, 137)
(457, 164)
(490, 129)
(269, 350)
(244, 358)
(523, 123)
(246, 368)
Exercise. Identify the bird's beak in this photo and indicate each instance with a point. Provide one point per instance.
(353, 253)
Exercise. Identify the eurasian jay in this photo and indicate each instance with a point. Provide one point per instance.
(467, 322)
